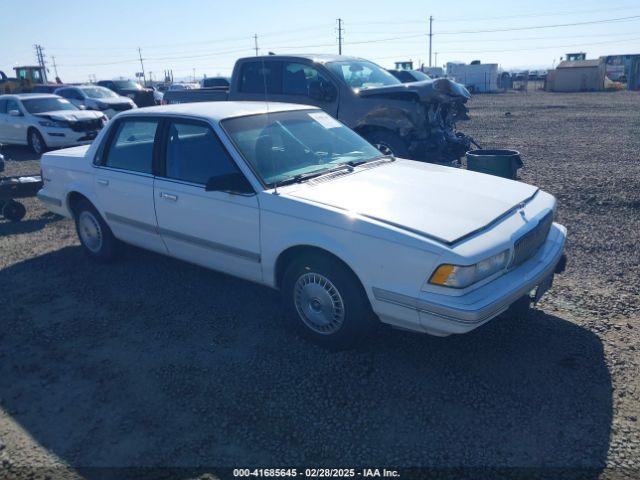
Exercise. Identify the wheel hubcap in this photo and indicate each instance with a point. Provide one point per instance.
(35, 141)
(90, 231)
(319, 303)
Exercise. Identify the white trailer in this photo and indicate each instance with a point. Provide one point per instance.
(477, 77)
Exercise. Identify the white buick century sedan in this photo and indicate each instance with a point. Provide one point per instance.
(286, 196)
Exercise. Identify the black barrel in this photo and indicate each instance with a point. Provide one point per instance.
(502, 163)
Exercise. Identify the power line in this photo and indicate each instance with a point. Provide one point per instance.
(513, 29)
(505, 17)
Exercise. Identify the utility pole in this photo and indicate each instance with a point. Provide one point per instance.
(144, 79)
(436, 59)
(340, 36)
(255, 43)
(55, 67)
(41, 61)
(430, 36)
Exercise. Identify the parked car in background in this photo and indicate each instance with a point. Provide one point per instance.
(212, 82)
(287, 196)
(45, 121)
(413, 120)
(143, 97)
(178, 86)
(94, 97)
(407, 76)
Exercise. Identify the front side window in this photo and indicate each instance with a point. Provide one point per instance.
(361, 74)
(12, 105)
(50, 104)
(127, 85)
(261, 77)
(298, 78)
(3, 106)
(290, 146)
(132, 146)
(194, 154)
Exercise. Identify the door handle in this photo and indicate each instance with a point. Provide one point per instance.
(102, 181)
(169, 196)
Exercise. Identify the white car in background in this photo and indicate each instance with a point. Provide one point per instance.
(94, 97)
(287, 196)
(45, 121)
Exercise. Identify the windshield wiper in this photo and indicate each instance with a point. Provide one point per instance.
(302, 177)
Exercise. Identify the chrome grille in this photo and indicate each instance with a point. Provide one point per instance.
(528, 244)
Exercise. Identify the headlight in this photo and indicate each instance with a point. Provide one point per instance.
(461, 276)
(53, 123)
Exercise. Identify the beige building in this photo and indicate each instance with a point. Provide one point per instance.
(577, 76)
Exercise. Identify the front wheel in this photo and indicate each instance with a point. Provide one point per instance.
(325, 302)
(13, 211)
(94, 234)
(36, 142)
(388, 143)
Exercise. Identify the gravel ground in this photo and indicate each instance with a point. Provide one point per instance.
(153, 362)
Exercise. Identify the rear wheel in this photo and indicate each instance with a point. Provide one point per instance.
(388, 143)
(94, 234)
(325, 302)
(36, 142)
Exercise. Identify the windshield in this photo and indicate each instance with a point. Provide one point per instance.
(42, 105)
(419, 76)
(127, 85)
(360, 74)
(286, 147)
(98, 92)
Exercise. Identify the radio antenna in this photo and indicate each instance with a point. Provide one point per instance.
(266, 100)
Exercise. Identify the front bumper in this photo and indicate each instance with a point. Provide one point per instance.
(63, 137)
(443, 315)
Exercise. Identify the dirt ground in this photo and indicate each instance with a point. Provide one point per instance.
(153, 362)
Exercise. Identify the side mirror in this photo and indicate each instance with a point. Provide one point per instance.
(15, 113)
(231, 183)
(322, 92)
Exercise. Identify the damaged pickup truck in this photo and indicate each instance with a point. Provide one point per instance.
(409, 120)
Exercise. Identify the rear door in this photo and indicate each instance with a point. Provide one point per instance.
(218, 230)
(124, 181)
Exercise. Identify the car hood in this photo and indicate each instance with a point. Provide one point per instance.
(71, 115)
(442, 203)
(439, 90)
(112, 100)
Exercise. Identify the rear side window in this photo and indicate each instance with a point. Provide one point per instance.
(194, 154)
(3, 106)
(255, 77)
(131, 147)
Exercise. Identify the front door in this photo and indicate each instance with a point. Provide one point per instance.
(124, 183)
(218, 230)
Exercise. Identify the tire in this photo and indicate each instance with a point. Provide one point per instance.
(13, 211)
(388, 143)
(94, 234)
(36, 142)
(325, 302)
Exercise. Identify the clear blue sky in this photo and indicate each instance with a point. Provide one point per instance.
(102, 38)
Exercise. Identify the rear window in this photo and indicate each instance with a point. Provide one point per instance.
(256, 77)
(132, 146)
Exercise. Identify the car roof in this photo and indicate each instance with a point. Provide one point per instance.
(218, 111)
(24, 96)
(314, 57)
